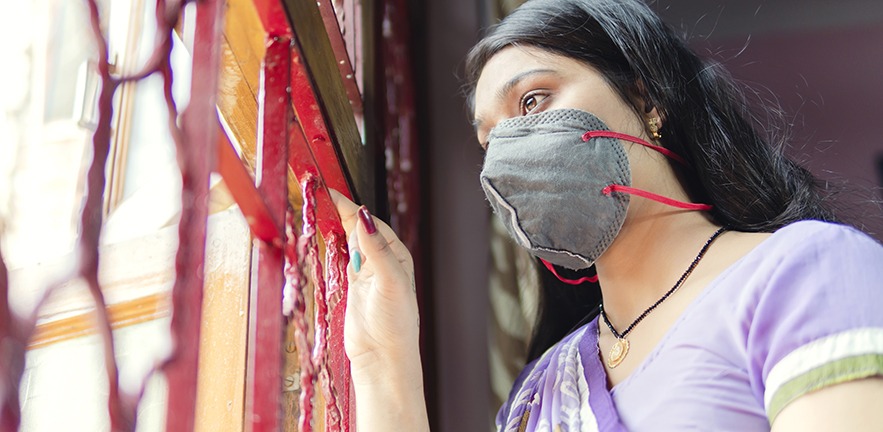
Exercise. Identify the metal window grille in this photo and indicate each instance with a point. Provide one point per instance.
(309, 103)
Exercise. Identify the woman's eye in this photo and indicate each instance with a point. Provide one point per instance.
(530, 102)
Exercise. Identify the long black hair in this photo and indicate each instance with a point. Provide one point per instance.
(734, 164)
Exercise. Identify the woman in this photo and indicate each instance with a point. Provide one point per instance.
(731, 301)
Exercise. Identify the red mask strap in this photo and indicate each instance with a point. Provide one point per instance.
(630, 190)
(658, 198)
(568, 281)
(610, 134)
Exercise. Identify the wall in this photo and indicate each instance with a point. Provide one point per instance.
(459, 216)
(823, 62)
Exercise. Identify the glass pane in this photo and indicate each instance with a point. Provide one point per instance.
(43, 146)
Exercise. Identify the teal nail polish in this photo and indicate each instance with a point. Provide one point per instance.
(357, 261)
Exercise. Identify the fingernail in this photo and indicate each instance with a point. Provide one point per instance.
(367, 220)
(356, 259)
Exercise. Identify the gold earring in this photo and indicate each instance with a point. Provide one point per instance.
(653, 125)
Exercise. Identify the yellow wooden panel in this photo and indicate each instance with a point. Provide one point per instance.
(220, 398)
(237, 101)
(243, 50)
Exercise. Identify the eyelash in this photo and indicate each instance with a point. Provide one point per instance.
(536, 94)
(526, 97)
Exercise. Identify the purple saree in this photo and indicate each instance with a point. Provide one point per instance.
(565, 389)
(800, 312)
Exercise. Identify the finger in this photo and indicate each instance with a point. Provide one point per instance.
(374, 243)
(346, 209)
(357, 258)
(348, 215)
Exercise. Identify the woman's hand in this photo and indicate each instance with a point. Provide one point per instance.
(381, 332)
(381, 314)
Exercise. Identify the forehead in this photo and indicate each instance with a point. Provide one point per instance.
(508, 63)
(506, 69)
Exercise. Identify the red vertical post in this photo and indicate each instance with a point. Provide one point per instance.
(196, 154)
(337, 364)
(321, 151)
(12, 353)
(304, 162)
(266, 335)
(314, 155)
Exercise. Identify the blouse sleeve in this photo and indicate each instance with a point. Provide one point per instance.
(818, 318)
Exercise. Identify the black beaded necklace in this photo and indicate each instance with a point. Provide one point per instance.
(621, 347)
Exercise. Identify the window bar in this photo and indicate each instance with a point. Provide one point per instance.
(322, 306)
(90, 226)
(121, 407)
(195, 146)
(338, 45)
(320, 104)
(313, 126)
(403, 163)
(319, 153)
(302, 251)
(15, 333)
(91, 218)
(313, 153)
(316, 166)
(332, 363)
(195, 142)
(336, 373)
(238, 180)
(265, 325)
(12, 362)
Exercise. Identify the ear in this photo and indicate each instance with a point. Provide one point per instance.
(644, 104)
(654, 113)
(642, 98)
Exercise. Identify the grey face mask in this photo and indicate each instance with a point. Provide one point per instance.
(549, 181)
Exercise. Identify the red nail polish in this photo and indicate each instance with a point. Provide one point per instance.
(367, 220)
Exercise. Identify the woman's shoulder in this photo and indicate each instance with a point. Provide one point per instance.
(808, 250)
(813, 240)
(808, 305)
(816, 230)
(805, 259)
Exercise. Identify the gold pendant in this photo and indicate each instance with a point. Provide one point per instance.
(617, 353)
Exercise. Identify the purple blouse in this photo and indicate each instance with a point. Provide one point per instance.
(802, 311)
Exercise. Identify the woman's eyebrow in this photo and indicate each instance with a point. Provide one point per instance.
(506, 88)
(504, 91)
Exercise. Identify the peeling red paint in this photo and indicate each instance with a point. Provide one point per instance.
(281, 260)
(264, 386)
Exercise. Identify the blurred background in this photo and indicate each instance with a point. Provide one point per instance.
(822, 61)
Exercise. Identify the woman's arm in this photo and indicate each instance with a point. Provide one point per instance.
(382, 329)
(851, 406)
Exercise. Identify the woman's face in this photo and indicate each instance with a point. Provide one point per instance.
(519, 81)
